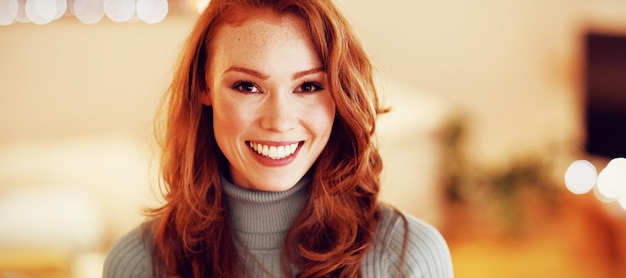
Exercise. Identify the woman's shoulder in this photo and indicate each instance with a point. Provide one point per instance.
(417, 246)
(130, 256)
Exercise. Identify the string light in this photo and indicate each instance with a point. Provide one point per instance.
(92, 11)
(40, 11)
(119, 10)
(580, 177)
(89, 11)
(613, 182)
(608, 186)
(61, 9)
(8, 11)
(605, 188)
(152, 11)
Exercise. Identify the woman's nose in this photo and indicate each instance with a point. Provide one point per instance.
(279, 113)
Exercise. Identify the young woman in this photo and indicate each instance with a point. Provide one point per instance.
(268, 161)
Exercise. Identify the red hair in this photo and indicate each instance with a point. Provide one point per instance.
(331, 236)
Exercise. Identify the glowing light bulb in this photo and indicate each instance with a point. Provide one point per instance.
(89, 11)
(152, 11)
(616, 175)
(119, 10)
(8, 11)
(61, 9)
(612, 179)
(601, 197)
(605, 189)
(41, 11)
(580, 177)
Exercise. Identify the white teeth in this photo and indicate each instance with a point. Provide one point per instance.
(264, 150)
(274, 152)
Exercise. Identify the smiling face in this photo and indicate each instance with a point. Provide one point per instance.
(272, 111)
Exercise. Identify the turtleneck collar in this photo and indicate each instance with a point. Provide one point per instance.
(261, 219)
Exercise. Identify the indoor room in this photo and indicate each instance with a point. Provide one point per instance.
(506, 129)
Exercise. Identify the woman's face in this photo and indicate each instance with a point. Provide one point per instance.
(272, 111)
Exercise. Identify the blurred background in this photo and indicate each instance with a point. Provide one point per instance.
(492, 103)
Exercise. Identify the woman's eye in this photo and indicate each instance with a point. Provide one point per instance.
(309, 87)
(246, 87)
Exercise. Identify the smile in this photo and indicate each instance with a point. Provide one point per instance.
(274, 152)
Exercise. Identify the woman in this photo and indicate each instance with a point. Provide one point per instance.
(268, 160)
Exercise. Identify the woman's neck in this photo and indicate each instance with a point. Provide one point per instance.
(261, 219)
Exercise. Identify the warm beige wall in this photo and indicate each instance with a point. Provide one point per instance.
(68, 78)
(511, 65)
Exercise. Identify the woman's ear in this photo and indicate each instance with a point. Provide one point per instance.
(206, 98)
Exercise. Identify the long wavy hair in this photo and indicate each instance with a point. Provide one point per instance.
(191, 232)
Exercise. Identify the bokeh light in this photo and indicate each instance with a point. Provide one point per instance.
(604, 188)
(152, 11)
(601, 197)
(612, 179)
(119, 10)
(8, 11)
(89, 11)
(61, 9)
(41, 11)
(580, 177)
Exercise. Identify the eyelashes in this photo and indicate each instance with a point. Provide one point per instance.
(309, 87)
(249, 87)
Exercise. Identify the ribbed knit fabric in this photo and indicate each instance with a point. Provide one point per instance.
(261, 221)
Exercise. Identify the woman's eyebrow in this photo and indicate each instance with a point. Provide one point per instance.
(307, 72)
(265, 77)
(247, 71)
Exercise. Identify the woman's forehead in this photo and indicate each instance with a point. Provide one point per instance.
(264, 28)
(269, 43)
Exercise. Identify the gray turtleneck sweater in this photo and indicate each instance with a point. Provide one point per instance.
(261, 221)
